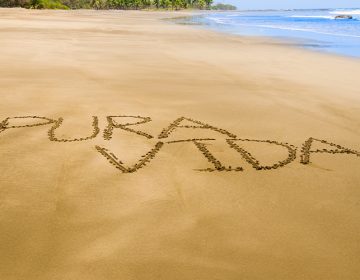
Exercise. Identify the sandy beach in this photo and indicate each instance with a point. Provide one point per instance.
(135, 148)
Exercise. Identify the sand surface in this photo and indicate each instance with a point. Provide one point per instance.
(91, 208)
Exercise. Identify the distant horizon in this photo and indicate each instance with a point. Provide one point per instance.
(284, 9)
(291, 5)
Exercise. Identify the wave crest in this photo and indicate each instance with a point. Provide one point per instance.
(346, 12)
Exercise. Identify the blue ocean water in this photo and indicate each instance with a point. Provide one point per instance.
(315, 29)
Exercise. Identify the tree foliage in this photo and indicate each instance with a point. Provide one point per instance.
(108, 4)
(223, 7)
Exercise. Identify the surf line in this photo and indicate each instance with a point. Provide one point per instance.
(231, 140)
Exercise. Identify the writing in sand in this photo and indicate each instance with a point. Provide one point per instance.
(231, 140)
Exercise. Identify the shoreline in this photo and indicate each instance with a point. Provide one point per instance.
(304, 41)
(287, 42)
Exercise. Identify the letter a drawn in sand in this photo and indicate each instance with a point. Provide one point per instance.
(306, 150)
(218, 166)
(177, 124)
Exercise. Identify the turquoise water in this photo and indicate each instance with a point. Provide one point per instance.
(314, 29)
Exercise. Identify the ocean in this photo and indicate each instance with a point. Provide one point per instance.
(313, 29)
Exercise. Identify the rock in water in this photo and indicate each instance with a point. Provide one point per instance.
(343, 17)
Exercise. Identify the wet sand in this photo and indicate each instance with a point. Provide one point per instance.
(134, 148)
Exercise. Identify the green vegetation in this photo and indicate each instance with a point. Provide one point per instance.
(109, 4)
(47, 4)
(223, 7)
(34, 4)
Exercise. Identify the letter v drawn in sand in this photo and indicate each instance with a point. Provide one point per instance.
(141, 163)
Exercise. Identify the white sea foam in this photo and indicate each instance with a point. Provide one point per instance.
(307, 30)
(234, 15)
(346, 12)
(220, 20)
(324, 17)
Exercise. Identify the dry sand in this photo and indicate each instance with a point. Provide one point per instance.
(67, 213)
